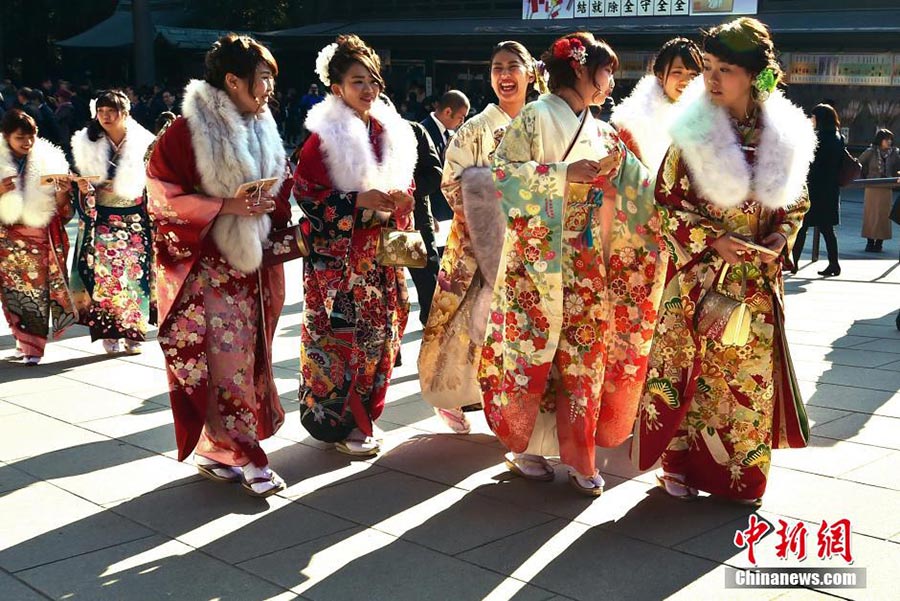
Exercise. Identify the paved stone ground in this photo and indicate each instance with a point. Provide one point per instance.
(93, 504)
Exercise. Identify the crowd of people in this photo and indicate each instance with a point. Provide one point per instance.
(600, 281)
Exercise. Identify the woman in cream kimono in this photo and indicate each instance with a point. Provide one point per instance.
(643, 118)
(575, 301)
(714, 409)
(451, 345)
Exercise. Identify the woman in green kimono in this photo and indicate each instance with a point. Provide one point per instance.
(575, 301)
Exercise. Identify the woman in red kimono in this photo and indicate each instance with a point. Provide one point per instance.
(33, 241)
(715, 406)
(354, 177)
(218, 305)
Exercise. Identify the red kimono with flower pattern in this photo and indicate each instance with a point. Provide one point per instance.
(183, 216)
(355, 310)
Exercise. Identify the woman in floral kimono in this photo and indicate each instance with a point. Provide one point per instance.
(218, 303)
(643, 118)
(574, 305)
(735, 174)
(33, 240)
(451, 344)
(111, 272)
(354, 177)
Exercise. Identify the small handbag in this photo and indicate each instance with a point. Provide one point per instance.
(401, 248)
(722, 317)
(850, 170)
(895, 211)
(285, 244)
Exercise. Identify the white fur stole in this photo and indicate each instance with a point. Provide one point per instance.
(717, 164)
(646, 114)
(92, 158)
(31, 203)
(232, 149)
(348, 154)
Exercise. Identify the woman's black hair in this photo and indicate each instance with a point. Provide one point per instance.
(827, 120)
(114, 99)
(598, 54)
(237, 54)
(687, 50)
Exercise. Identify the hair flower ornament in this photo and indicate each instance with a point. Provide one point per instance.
(765, 83)
(572, 49)
(323, 60)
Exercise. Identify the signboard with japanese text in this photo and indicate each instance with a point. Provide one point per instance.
(844, 69)
(571, 9)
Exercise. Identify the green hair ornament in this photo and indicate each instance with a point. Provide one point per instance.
(765, 83)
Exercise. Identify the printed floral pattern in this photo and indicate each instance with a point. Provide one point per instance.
(112, 274)
(707, 408)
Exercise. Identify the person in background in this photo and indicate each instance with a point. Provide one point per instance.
(65, 118)
(451, 113)
(112, 268)
(881, 159)
(824, 190)
(33, 239)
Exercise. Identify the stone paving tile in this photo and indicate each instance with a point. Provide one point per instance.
(883, 345)
(860, 377)
(16, 590)
(13, 479)
(864, 429)
(10, 409)
(30, 434)
(895, 366)
(884, 472)
(828, 457)
(848, 398)
(124, 377)
(557, 555)
(853, 357)
(224, 522)
(823, 339)
(22, 380)
(152, 431)
(810, 497)
(59, 525)
(83, 402)
(449, 520)
(371, 565)
(149, 569)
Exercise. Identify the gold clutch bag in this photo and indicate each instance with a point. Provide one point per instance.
(722, 317)
(401, 248)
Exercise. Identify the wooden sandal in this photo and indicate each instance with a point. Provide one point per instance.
(208, 472)
(594, 491)
(277, 485)
(547, 476)
(687, 496)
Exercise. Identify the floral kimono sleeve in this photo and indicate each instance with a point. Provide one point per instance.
(688, 233)
(461, 154)
(787, 221)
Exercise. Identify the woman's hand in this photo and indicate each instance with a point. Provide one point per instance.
(84, 186)
(584, 171)
(775, 242)
(247, 206)
(403, 202)
(730, 249)
(7, 184)
(375, 200)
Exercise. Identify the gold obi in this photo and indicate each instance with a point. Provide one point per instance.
(106, 198)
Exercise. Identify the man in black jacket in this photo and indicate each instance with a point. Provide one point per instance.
(449, 115)
(428, 182)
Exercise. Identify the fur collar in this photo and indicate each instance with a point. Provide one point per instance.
(717, 165)
(91, 158)
(646, 114)
(231, 149)
(348, 155)
(30, 203)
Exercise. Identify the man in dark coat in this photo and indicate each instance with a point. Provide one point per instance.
(450, 113)
(427, 177)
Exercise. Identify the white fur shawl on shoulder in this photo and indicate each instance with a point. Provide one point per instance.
(646, 114)
(232, 149)
(92, 158)
(31, 203)
(717, 165)
(348, 154)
